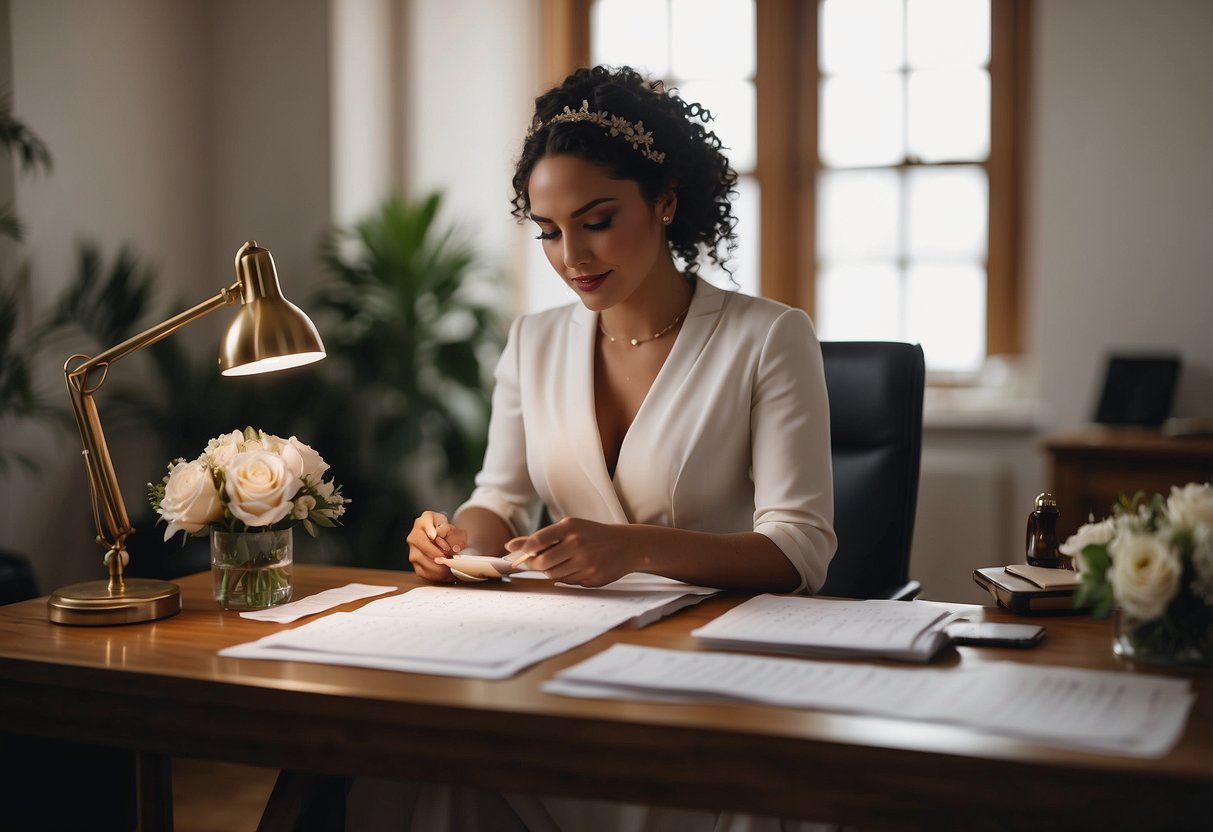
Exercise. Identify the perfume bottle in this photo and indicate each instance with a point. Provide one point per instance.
(1042, 548)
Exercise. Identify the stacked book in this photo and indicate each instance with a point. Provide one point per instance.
(1030, 590)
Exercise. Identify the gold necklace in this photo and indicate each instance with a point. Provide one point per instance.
(636, 342)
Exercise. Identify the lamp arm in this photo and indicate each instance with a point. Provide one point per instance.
(109, 511)
(225, 297)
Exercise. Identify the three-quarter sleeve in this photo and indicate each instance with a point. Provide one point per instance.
(503, 485)
(790, 430)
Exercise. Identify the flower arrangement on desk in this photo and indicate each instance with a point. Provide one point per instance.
(1151, 562)
(247, 489)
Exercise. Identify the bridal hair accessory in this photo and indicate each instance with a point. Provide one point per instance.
(615, 125)
(636, 342)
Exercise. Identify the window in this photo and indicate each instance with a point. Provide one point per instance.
(678, 43)
(877, 140)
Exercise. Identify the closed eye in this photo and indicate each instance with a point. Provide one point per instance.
(589, 226)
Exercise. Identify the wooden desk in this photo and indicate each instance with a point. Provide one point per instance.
(160, 689)
(1093, 467)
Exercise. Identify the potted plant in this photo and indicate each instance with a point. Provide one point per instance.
(20, 337)
(412, 324)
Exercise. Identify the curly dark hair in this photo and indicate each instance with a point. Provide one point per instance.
(694, 165)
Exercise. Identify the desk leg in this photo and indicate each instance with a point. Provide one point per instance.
(305, 802)
(154, 792)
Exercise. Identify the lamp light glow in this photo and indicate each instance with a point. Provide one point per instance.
(269, 333)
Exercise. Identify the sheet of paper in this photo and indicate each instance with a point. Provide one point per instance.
(831, 626)
(1102, 711)
(480, 631)
(321, 601)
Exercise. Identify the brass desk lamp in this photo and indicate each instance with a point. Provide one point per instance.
(269, 333)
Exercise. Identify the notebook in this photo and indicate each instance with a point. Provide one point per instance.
(835, 627)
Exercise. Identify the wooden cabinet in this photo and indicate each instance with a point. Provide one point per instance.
(1090, 469)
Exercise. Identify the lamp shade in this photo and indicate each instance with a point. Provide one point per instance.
(269, 332)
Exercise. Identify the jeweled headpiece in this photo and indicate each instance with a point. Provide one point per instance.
(614, 125)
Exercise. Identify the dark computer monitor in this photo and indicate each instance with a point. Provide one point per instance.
(1138, 390)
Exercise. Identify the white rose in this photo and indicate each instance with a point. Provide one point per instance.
(260, 488)
(1144, 574)
(269, 442)
(303, 460)
(190, 499)
(1091, 534)
(303, 506)
(1191, 506)
(220, 450)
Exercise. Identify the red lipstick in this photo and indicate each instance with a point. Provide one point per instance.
(588, 282)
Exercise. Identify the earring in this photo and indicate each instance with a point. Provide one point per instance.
(667, 220)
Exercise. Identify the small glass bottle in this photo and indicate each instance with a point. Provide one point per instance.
(1042, 533)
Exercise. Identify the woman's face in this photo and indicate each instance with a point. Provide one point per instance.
(600, 234)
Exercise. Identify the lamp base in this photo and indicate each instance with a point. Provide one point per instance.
(93, 604)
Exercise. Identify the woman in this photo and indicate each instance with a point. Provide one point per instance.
(667, 426)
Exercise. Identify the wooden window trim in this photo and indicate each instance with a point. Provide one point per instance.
(564, 38)
(786, 82)
(1009, 59)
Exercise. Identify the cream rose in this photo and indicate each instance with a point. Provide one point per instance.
(303, 460)
(302, 507)
(1091, 534)
(220, 450)
(260, 488)
(1191, 506)
(190, 499)
(1144, 574)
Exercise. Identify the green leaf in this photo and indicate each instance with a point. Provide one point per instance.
(15, 136)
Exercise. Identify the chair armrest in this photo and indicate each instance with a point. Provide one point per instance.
(906, 592)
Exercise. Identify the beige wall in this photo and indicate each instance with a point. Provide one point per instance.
(1120, 222)
(183, 127)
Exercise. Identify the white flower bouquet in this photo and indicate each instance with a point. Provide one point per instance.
(248, 481)
(1152, 561)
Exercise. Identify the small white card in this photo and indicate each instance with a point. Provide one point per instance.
(473, 567)
(321, 601)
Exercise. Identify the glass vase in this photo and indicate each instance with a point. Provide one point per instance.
(251, 570)
(1163, 641)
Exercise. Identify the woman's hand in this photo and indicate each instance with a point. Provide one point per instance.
(432, 537)
(578, 551)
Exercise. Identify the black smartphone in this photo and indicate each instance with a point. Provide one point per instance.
(995, 634)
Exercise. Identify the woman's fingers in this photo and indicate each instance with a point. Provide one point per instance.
(436, 526)
(537, 551)
(429, 540)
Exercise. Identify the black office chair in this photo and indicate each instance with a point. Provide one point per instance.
(17, 581)
(875, 390)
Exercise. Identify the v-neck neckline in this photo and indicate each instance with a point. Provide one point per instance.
(652, 390)
(655, 391)
(697, 328)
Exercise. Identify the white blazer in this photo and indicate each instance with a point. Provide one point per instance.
(733, 436)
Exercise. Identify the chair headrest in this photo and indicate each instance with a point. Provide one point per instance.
(874, 389)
